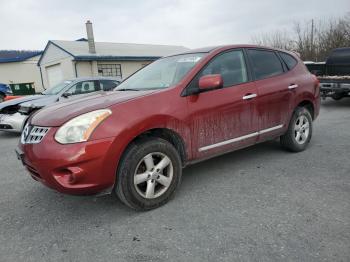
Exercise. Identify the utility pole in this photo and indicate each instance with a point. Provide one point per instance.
(312, 39)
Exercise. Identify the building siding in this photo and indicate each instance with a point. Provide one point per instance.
(71, 68)
(53, 54)
(21, 72)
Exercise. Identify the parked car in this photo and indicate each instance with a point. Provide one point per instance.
(176, 111)
(14, 113)
(5, 90)
(334, 74)
(10, 97)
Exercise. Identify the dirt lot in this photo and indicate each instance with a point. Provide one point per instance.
(257, 204)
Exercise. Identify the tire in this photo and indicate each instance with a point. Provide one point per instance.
(299, 132)
(337, 97)
(138, 159)
(2, 98)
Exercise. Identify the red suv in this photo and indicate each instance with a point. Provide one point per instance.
(179, 110)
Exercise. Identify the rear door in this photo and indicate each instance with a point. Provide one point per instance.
(226, 118)
(275, 94)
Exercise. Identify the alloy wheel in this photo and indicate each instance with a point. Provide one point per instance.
(301, 129)
(153, 175)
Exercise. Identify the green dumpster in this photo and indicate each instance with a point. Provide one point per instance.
(23, 89)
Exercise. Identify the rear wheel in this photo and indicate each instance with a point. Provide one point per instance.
(149, 173)
(299, 131)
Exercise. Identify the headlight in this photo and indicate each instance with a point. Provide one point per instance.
(25, 109)
(80, 128)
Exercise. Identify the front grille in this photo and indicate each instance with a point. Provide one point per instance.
(33, 134)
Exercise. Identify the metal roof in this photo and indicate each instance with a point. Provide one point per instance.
(115, 51)
(7, 56)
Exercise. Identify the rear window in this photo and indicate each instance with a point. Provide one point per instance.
(265, 63)
(289, 60)
(108, 85)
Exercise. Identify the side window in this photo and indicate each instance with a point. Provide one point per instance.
(289, 60)
(83, 88)
(108, 85)
(265, 63)
(230, 65)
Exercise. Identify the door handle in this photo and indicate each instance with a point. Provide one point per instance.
(292, 86)
(249, 96)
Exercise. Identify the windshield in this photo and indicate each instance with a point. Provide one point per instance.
(162, 73)
(56, 89)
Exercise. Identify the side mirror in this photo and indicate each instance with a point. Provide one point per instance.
(209, 82)
(66, 95)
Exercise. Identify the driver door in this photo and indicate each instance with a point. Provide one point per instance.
(224, 119)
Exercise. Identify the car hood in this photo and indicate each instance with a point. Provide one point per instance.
(20, 100)
(40, 102)
(47, 100)
(59, 113)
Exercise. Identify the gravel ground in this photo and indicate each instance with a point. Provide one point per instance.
(257, 204)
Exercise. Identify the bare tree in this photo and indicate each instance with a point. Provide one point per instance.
(312, 40)
(277, 39)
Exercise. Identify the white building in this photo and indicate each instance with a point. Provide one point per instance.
(19, 67)
(69, 59)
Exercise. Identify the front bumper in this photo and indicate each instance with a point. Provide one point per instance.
(12, 123)
(81, 168)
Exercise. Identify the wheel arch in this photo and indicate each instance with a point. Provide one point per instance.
(169, 135)
(308, 105)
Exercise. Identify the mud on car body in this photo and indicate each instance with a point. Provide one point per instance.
(179, 110)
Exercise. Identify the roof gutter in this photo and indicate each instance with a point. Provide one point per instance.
(115, 58)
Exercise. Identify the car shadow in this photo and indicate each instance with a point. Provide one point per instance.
(329, 103)
(9, 134)
(234, 159)
(69, 206)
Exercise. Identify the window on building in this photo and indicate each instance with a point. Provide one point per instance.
(265, 63)
(109, 70)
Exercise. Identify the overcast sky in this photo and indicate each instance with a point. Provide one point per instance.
(192, 23)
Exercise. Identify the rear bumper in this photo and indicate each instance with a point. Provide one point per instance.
(12, 123)
(331, 88)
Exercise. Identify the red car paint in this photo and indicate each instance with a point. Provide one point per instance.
(198, 120)
(11, 97)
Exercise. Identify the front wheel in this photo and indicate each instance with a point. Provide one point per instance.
(148, 174)
(299, 131)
